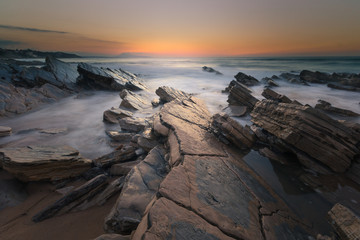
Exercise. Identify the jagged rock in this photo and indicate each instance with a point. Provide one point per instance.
(107, 79)
(326, 107)
(279, 157)
(247, 80)
(314, 77)
(167, 94)
(120, 136)
(140, 188)
(35, 77)
(272, 95)
(240, 95)
(5, 131)
(125, 154)
(167, 220)
(211, 70)
(113, 237)
(112, 115)
(72, 199)
(63, 72)
(122, 169)
(133, 124)
(147, 140)
(236, 111)
(35, 163)
(344, 222)
(226, 127)
(133, 101)
(346, 88)
(313, 136)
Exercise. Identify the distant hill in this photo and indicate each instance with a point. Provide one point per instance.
(28, 53)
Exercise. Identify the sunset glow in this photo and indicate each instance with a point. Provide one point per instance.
(183, 28)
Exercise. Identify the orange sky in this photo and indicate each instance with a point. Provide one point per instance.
(183, 28)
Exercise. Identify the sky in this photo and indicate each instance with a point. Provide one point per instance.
(183, 27)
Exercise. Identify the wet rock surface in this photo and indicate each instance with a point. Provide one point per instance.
(344, 222)
(35, 163)
(316, 138)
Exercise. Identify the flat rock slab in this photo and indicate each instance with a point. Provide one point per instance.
(114, 114)
(312, 133)
(167, 220)
(5, 131)
(168, 94)
(133, 101)
(54, 130)
(345, 222)
(120, 136)
(35, 163)
(132, 124)
(140, 188)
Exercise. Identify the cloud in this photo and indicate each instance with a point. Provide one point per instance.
(30, 29)
(9, 43)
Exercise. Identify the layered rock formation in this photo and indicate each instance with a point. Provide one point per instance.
(167, 94)
(5, 131)
(211, 70)
(133, 101)
(315, 138)
(328, 108)
(247, 80)
(240, 95)
(35, 163)
(114, 114)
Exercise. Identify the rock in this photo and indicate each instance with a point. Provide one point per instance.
(247, 80)
(122, 169)
(120, 136)
(314, 77)
(53, 131)
(345, 222)
(346, 88)
(140, 188)
(235, 111)
(272, 95)
(147, 140)
(279, 157)
(155, 102)
(112, 115)
(72, 199)
(64, 73)
(211, 182)
(272, 83)
(132, 124)
(126, 153)
(113, 237)
(168, 94)
(326, 107)
(36, 163)
(92, 173)
(211, 70)
(309, 132)
(240, 95)
(5, 131)
(133, 101)
(107, 79)
(226, 127)
(167, 220)
(354, 172)
(35, 77)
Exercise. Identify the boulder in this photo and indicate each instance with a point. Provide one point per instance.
(272, 95)
(314, 77)
(133, 101)
(240, 95)
(107, 79)
(326, 107)
(112, 115)
(313, 136)
(72, 199)
(133, 124)
(5, 131)
(345, 222)
(36, 163)
(139, 190)
(126, 153)
(229, 130)
(211, 70)
(168, 94)
(247, 80)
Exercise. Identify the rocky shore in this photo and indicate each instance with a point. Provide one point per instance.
(181, 172)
